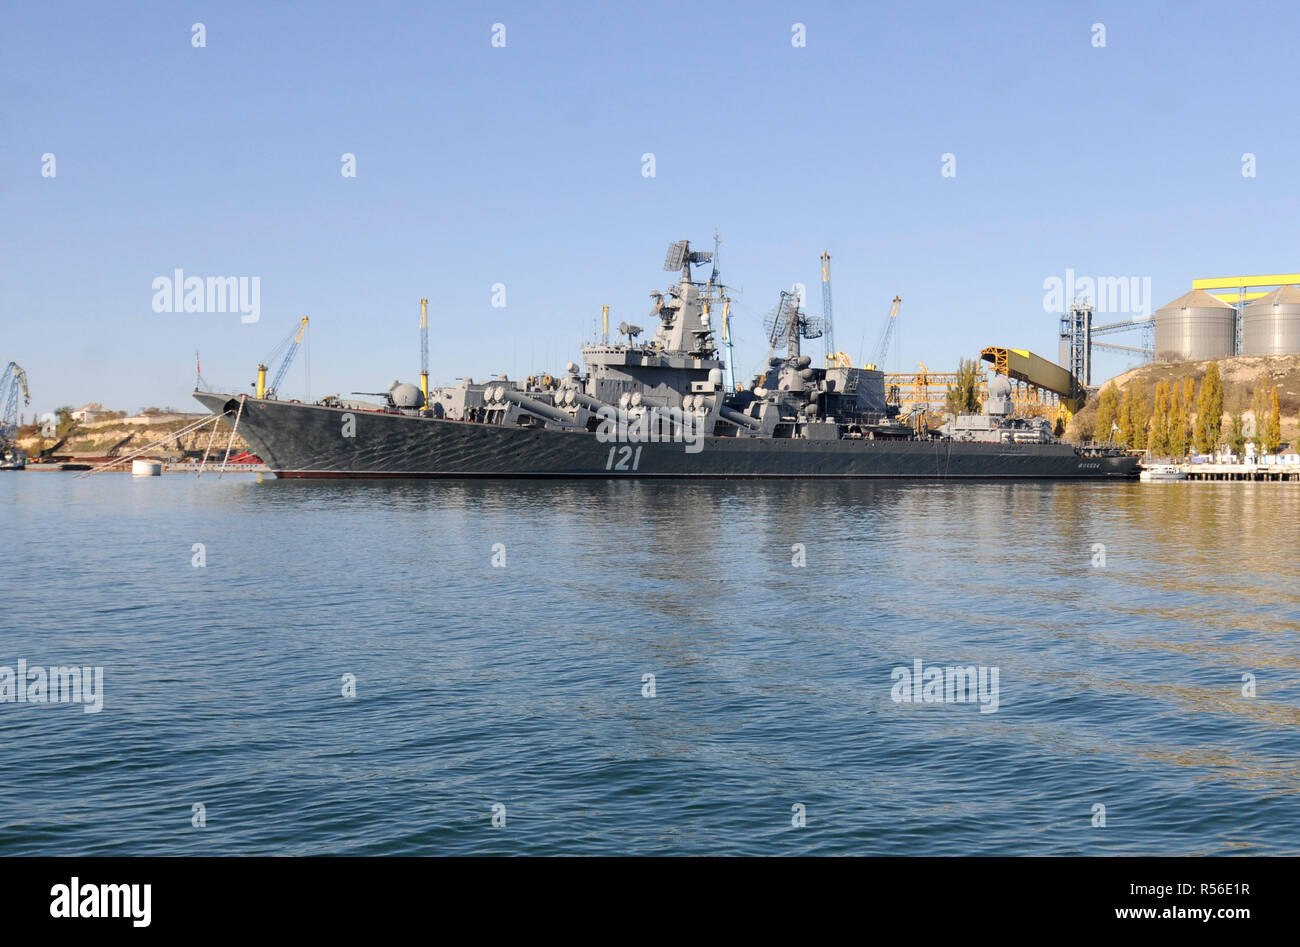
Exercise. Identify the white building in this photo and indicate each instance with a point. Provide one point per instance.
(89, 413)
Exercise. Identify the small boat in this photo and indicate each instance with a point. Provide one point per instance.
(1163, 472)
(74, 466)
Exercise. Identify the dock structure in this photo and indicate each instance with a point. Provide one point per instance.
(1260, 472)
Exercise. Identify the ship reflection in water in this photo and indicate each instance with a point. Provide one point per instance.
(501, 633)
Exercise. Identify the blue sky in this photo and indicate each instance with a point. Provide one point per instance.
(522, 165)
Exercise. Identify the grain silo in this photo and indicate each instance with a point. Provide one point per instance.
(1195, 327)
(1270, 325)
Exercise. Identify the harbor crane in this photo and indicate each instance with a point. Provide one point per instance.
(882, 349)
(424, 350)
(12, 383)
(832, 356)
(289, 346)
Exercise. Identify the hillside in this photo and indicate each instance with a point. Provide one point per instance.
(1241, 375)
(127, 435)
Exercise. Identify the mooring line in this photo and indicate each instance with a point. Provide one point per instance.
(117, 461)
(231, 443)
(216, 419)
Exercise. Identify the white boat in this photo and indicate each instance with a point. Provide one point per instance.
(1163, 472)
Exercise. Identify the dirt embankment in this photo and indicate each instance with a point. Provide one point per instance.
(1242, 375)
(122, 437)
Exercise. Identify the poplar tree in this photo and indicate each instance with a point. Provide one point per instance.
(1140, 418)
(1108, 406)
(1124, 417)
(1209, 410)
(1260, 409)
(1237, 435)
(1177, 436)
(963, 397)
(1160, 442)
(1272, 434)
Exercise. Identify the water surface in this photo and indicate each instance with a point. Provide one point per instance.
(1120, 684)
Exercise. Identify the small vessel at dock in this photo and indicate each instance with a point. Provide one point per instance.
(1162, 473)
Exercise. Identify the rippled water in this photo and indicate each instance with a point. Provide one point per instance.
(1119, 685)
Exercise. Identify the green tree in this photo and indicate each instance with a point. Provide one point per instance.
(1237, 435)
(1143, 407)
(1139, 418)
(1209, 410)
(1178, 431)
(1272, 435)
(963, 397)
(1259, 411)
(1184, 435)
(1124, 417)
(1160, 443)
(65, 422)
(1261, 405)
(1107, 412)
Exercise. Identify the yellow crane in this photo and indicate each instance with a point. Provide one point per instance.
(424, 350)
(289, 345)
(882, 349)
(834, 358)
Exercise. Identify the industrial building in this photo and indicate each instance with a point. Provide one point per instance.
(1195, 327)
(1270, 325)
(1220, 317)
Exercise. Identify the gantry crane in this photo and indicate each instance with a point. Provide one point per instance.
(289, 345)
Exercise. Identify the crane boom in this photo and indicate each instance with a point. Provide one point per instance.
(885, 337)
(288, 356)
(293, 341)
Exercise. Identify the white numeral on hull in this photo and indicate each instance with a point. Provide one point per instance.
(628, 460)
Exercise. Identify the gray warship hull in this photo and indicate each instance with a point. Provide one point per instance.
(317, 441)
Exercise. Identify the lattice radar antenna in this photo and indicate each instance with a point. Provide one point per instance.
(777, 323)
(680, 254)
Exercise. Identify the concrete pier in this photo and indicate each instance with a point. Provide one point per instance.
(1260, 472)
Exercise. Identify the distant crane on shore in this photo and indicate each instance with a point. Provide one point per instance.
(12, 384)
(424, 350)
(882, 348)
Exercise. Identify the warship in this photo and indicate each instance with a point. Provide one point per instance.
(659, 407)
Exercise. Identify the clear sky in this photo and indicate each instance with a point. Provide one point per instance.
(522, 165)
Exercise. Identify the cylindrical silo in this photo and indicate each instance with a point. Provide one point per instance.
(1195, 327)
(1270, 325)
